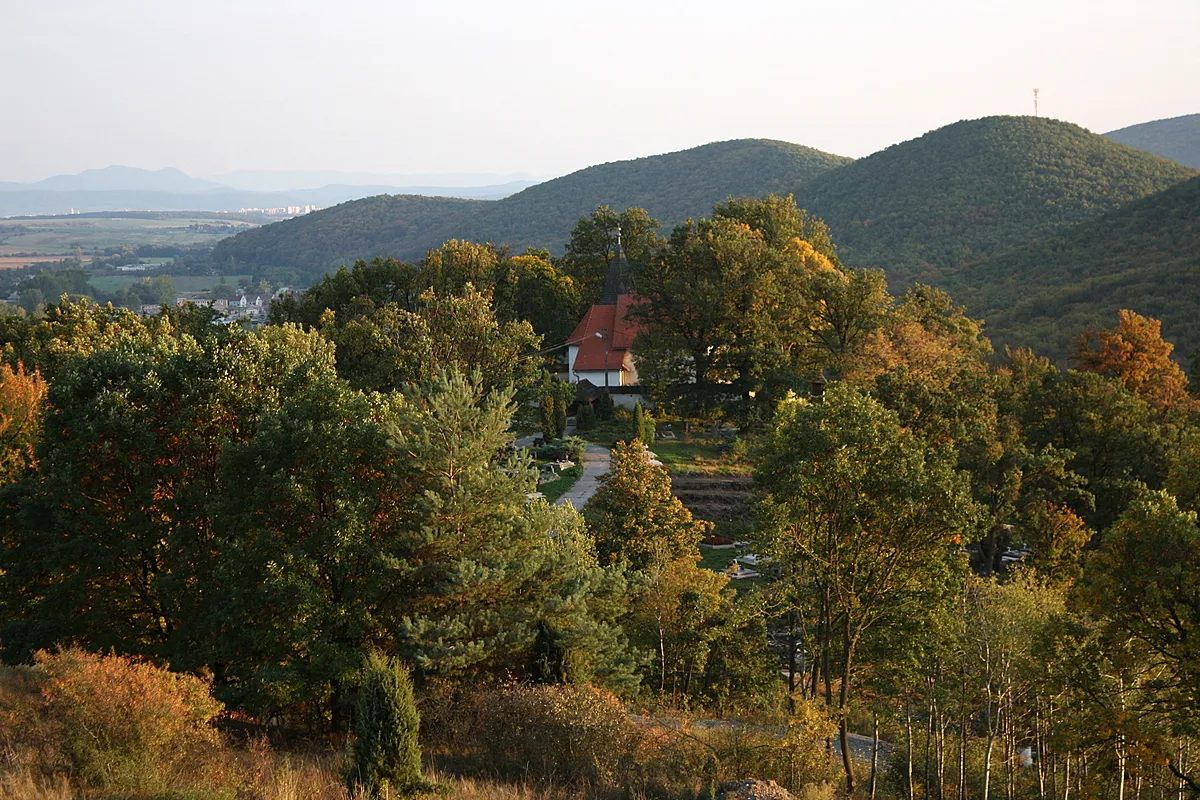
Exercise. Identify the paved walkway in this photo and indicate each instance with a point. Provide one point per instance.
(595, 464)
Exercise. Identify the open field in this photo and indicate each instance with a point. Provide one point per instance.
(15, 262)
(183, 283)
(55, 236)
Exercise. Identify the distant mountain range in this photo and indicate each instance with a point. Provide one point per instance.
(118, 179)
(1177, 138)
(290, 180)
(920, 210)
(120, 188)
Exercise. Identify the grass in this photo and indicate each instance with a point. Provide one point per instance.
(608, 432)
(556, 488)
(706, 456)
(693, 454)
(266, 775)
(718, 561)
(56, 235)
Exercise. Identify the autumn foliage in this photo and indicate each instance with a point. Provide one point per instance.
(1135, 353)
(114, 716)
(22, 395)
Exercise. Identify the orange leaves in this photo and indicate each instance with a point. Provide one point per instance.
(22, 396)
(1136, 354)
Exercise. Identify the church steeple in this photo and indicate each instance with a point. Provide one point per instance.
(617, 282)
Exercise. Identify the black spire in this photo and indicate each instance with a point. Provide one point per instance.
(617, 282)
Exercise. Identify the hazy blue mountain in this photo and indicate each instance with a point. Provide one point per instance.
(429, 183)
(118, 178)
(23, 201)
(1177, 138)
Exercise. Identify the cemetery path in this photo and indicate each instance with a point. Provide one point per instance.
(595, 463)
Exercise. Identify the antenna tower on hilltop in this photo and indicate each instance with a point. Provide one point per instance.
(1035, 99)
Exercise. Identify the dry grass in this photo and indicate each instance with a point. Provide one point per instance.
(25, 785)
(273, 776)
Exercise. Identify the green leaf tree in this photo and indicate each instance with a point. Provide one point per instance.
(868, 522)
(635, 518)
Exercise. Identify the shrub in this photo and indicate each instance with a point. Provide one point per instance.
(557, 734)
(386, 755)
(643, 425)
(605, 406)
(24, 737)
(575, 448)
(671, 757)
(570, 448)
(124, 722)
(585, 417)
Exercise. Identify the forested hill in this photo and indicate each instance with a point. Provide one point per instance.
(672, 187)
(1177, 138)
(923, 209)
(384, 225)
(1144, 256)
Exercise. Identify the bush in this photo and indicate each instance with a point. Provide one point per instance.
(575, 448)
(605, 406)
(386, 755)
(123, 722)
(670, 758)
(578, 735)
(585, 417)
(568, 449)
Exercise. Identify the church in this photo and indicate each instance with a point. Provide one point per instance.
(599, 349)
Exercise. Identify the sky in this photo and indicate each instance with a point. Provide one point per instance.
(545, 88)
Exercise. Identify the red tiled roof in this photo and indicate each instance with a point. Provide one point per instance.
(614, 322)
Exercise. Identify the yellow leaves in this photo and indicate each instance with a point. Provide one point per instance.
(22, 399)
(804, 253)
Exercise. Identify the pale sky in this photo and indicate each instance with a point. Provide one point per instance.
(545, 88)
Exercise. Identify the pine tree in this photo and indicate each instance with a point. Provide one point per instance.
(560, 417)
(604, 406)
(386, 757)
(639, 419)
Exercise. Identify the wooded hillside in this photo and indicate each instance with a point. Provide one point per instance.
(1144, 256)
(672, 187)
(923, 209)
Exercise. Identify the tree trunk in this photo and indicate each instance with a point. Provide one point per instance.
(1010, 753)
(941, 753)
(987, 765)
(844, 707)
(874, 753)
(927, 775)
(1120, 767)
(909, 754)
(1037, 738)
(962, 756)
